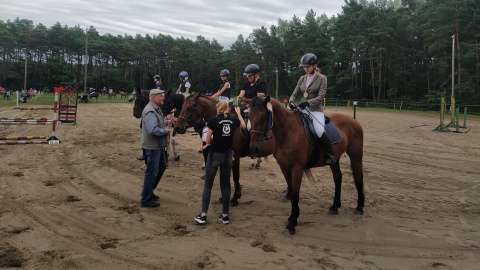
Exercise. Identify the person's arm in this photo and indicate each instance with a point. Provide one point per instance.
(151, 124)
(220, 92)
(209, 138)
(187, 87)
(295, 93)
(318, 100)
(242, 121)
(241, 95)
(178, 90)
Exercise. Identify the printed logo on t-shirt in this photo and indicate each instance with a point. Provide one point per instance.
(226, 130)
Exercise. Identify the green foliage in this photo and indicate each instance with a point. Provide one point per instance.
(373, 50)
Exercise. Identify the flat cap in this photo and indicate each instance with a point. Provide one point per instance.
(156, 92)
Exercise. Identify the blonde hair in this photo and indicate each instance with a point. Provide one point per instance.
(222, 108)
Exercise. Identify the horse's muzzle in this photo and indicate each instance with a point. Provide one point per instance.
(255, 152)
(180, 130)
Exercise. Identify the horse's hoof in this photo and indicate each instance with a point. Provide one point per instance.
(177, 158)
(234, 203)
(290, 231)
(332, 211)
(358, 211)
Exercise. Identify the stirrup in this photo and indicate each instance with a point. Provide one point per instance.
(330, 159)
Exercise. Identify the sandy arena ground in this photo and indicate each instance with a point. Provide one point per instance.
(76, 205)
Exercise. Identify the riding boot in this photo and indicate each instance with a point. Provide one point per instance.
(330, 156)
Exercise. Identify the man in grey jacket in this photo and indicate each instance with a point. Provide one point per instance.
(154, 140)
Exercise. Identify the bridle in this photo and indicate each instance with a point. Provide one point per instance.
(267, 133)
(268, 125)
(191, 111)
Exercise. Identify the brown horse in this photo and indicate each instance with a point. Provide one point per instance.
(296, 151)
(197, 106)
(112, 95)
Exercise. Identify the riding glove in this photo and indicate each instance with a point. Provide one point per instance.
(303, 104)
(292, 105)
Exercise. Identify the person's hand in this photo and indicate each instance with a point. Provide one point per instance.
(240, 98)
(303, 104)
(292, 105)
(211, 97)
(237, 110)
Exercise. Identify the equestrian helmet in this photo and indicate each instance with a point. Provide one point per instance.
(224, 72)
(156, 77)
(251, 69)
(308, 60)
(183, 74)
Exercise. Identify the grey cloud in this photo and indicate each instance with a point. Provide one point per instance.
(217, 19)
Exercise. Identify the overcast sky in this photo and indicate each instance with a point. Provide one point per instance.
(222, 20)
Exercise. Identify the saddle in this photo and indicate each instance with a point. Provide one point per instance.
(330, 129)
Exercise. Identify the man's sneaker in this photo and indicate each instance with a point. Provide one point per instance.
(224, 219)
(201, 219)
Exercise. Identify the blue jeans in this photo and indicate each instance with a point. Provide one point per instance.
(156, 165)
(214, 161)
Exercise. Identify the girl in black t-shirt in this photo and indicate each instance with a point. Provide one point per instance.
(253, 86)
(222, 127)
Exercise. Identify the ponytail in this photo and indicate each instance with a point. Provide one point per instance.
(222, 108)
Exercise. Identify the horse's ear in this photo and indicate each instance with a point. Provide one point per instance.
(266, 100)
(167, 94)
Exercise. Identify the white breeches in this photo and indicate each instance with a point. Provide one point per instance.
(318, 119)
(222, 98)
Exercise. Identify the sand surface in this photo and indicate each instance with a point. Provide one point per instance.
(76, 205)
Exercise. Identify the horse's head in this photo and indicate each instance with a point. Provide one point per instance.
(260, 116)
(190, 112)
(172, 102)
(141, 101)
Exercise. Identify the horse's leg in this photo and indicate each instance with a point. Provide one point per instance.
(237, 194)
(337, 179)
(258, 161)
(173, 142)
(357, 169)
(288, 179)
(296, 175)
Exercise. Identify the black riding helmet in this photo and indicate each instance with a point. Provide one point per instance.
(308, 59)
(251, 69)
(224, 72)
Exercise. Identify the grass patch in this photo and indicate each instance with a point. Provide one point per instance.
(49, 98)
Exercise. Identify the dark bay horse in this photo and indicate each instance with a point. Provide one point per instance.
(172, 102)
(295, 151)
(197, 106)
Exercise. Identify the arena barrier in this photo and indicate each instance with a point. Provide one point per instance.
(442, 127)
(15, 140)
(464, 128)
(23, 142)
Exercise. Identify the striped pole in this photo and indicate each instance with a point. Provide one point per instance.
(31, 109)
(23, 142)
(27, 122)
(30, 118)
(53, 139)
(16, 138)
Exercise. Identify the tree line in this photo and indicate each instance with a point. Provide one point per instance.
(374, 50)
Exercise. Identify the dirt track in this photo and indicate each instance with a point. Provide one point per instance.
(76, 205)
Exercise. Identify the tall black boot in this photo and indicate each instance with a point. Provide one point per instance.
(330, 157)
